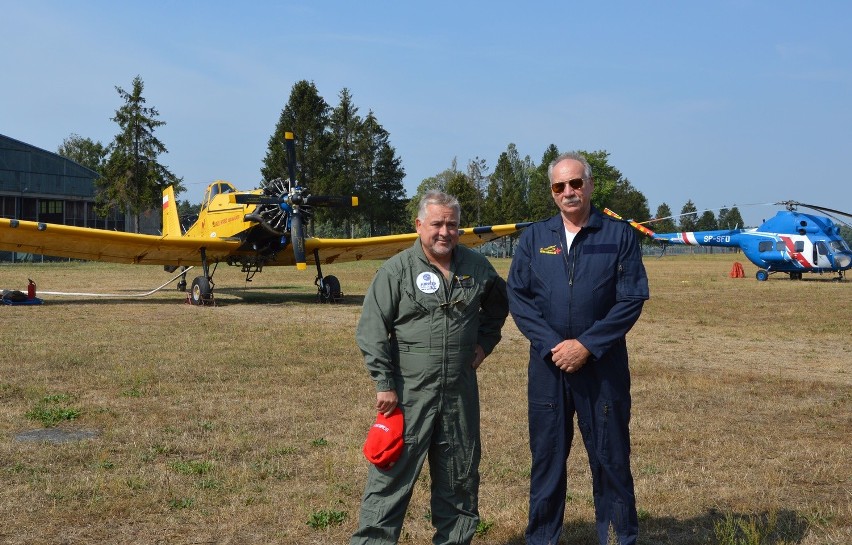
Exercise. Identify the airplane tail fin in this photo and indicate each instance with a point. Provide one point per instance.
(171, 219)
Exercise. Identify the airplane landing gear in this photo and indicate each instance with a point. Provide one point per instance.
(202, 287)
(328, 287)
(202, 291)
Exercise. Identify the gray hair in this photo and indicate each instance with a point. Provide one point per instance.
(576, 156)
(439, 198)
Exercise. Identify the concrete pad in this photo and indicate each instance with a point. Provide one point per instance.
(55, 435)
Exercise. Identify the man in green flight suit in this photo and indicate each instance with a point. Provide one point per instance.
(431, 315)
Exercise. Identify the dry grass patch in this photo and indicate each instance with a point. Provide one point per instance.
(243, 423)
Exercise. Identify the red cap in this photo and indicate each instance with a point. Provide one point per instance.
(383, 446)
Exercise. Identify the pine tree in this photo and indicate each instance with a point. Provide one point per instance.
(380, 187)
(731, 220)
(492, 205)
(541, 203)
(477, 170)
(707, 222)
(131, 178)
(306, 115)
(515, 186)
(346, 172)
(461, 187)
(666, 224)
(689, 217)
(628, 201)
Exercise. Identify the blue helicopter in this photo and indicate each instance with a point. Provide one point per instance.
(791, 242)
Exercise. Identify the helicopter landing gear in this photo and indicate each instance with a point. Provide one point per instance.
(762, 275)
(795, 276)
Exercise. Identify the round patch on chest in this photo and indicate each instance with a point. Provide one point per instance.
(428, 282)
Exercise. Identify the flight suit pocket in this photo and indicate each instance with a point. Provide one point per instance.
(543, 426)
(612, 437)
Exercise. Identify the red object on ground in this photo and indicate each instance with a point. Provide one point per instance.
(31, 289)
(737, 270)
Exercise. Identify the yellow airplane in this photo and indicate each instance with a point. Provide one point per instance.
(252, 229)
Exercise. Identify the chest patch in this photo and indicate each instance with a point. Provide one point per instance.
(550, 250)
(465, 281)
(428, 282)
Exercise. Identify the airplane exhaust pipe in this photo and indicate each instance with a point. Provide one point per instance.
(263, 223)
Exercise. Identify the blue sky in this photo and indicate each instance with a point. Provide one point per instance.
(731, 102)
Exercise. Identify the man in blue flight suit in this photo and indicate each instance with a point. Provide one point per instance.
(576, 286)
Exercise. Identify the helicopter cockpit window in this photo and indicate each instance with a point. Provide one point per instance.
(838, 245)
(822, 248)
(765, 246)
(800, 246)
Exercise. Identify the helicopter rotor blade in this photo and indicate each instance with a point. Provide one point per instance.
(815, 207)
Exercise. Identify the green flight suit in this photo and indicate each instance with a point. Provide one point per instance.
(418, 332)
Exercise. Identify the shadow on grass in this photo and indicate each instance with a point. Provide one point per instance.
(785, 527)
(224, 296)
(280, 295)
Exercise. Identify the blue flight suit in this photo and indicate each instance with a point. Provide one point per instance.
(593, 292)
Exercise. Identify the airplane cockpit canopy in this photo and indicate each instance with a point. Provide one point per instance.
(216, 188)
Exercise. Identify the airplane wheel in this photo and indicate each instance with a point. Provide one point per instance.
(201, 293)
(762, 275)
(330, 291)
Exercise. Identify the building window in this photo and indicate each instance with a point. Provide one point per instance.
(50, 207)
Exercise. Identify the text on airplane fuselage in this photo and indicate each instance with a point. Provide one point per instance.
(226, 220)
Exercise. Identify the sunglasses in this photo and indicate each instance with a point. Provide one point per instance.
(559, 187)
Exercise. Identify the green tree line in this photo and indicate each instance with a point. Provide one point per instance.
(341, 152)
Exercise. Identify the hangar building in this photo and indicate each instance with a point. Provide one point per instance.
(38, 185)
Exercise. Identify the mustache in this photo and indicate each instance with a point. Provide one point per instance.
(571, 200)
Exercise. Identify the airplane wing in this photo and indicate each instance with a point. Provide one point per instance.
(102, 245)
(118, 247)
(344, 249)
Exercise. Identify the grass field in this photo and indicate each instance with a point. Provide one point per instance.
(243, 423)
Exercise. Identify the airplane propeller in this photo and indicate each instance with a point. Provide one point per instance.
(282, 208)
